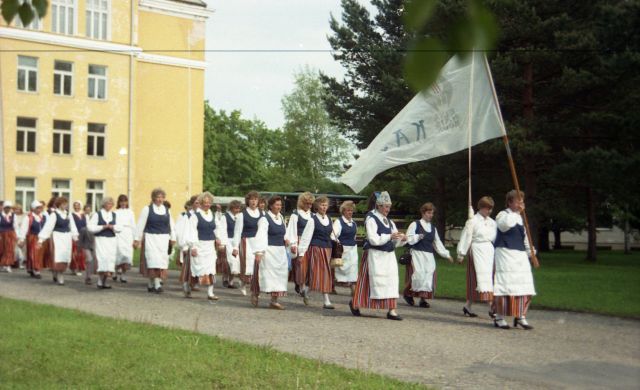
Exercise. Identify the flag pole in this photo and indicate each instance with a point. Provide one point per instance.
(512, 166)
(469, 129)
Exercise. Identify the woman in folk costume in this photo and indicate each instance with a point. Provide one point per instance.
(244, 236)
(378, 283)
(184, 257)
(297, 222)
(203, 237)
(345, 228)
(513, 280)
(316, 240)
(478, 234)
(87, 243)
(126, 223)
(155, 234)
(28, 237)
(78, 260)
(61, 229)
(271, 269)
(420, 279)
(103, 225)
(19, 219)
(8, 237)
(230, 264)
(47, 252)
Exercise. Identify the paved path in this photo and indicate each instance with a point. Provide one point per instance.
(436, 346)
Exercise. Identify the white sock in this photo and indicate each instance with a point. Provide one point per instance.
(326, 299)
(156, 283)
(100, 281)
(210, 290)
(305, 290)
(60, 278)
(150, 284)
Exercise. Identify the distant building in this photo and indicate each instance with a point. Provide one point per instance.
(103, 97)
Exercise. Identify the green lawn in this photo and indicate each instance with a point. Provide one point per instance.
(47, 347)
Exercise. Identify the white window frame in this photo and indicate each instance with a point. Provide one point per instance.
(61, 21)
(24, 192)
(97, 79)
(27, 69)
(23, 132)
(35, 23)
(92, 139)
(62, 133)
(93, 8)
(61, 191)
(63, 76)
(92, 194)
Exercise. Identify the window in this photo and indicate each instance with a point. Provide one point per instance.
(26, 136)
(27, 74)
(25, 191)
(95, 139)
(62, 78)
(95, 193)
(97, 82)
(63, 16)
(35, 23)
(61, 137)
(61, 187)
(97, 16)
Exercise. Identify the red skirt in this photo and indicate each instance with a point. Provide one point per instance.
(301, 269)
(362, 293)
(408, 292)
(472, 293)
(320, 278)
(516, 306)
(255, 283)
(34, 255)
(8, 248)
(222, 266)
(47, 254)
(78, 258)
(185, 271)
(143, 260)
(243, 261)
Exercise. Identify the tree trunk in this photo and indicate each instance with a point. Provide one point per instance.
(627, 233)
(441, 206)
(557, 244)
(591, 225)
(543, 240)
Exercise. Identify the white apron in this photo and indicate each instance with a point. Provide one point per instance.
(156, 247)
(233, 261)
(274, 270)
(250, 256)
(205, 263)
(348, 273)
(424, 266)
(124, 247)
(483, 253)
(62, 243)
(383, 274)
(513, 273)
(106, 250)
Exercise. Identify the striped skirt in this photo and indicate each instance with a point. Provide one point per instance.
(185, 270)
(47, 254)
(222, 266)
(243, 261)
(361, 296)
(34, 255)
(8, 241)
(512, 306)
(408, 292)
(255, 283)
(320, 275)
(473, 295)
(301, 269)
(78, 261)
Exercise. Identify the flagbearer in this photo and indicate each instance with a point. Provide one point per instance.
(297, 222)
(478, 234)
(513, 280)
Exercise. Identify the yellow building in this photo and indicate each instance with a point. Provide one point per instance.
(101, 98)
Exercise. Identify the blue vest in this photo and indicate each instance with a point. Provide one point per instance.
(157, 224)
(511, 239)
(426, 244)
(81, 222)
(102, 222)
(301, 223)
(231, 225)
(62, 225)
(6, 226)
(206, 228)
(36, 226)
(348, 233)
(389, 246)
(321, 234)
(275, 235)
(250, 224)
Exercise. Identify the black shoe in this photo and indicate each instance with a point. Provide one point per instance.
(114, 277)
(37, 276)
(123, 280)
(297, 288)
(409, 299)
(424, 304)
(492, 314)
(225, 283)
(150, 289)
(157, 290)
(516, 322)
(55, 278)
(355, 312)
(107, 287)
(329, 306)
(466, 312)
(31, 274)
(392, 317)
(505, 326)
(231, 286)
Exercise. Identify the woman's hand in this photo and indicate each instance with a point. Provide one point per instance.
(294, 249)
(194, 252)
(136, 244)
(460, 259)
(234, 253)
(258, 257)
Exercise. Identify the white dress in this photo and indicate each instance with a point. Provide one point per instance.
(126, 222)
(479, 233)
(423, 263)
(155, 245)
(250, 241)
(204, 263)
(274, 267)
(106, 247)
(348, 273)
(233, 261)
(513, 275)
(62, 241)
(383, 266)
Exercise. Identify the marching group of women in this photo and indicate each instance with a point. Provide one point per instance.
(254, 248)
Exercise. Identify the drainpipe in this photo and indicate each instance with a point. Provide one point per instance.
(131, 85)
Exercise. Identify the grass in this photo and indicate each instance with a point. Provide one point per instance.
(47, 347)
(565, 281)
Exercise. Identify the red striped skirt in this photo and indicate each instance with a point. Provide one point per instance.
(185, 271)
(301, 269)
(47, 254)
(34, 255)
(8, 248)
(408, 292)
(320, 277)
(361, 296)
(222, 266)
(255, 283)
(143, 260)
(78, 259)
(472, 293)
(516, 306)
(243, 261)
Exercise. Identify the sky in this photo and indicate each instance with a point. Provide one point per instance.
(255, 83)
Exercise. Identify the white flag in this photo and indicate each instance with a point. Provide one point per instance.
(435, 122)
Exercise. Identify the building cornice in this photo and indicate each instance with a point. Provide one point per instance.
(181, 10)
(172, 61)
